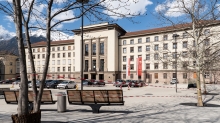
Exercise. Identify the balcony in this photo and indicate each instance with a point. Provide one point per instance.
(101, 69)
(92, 70)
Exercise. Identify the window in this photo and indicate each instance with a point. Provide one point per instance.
(148, 66)
(194, 43)
(124, 76)
(102, 48)
(185, 64)
(94, 64)
(132, 76)
(140, 49)
(86, 49)
(58, 55)
(63, 47)
(165, 55)
(43, 62)
(43, 56)
(165, 46)
(69, 47)
(73, 49)
(156, 38)
(156, 56)
(174, 75)
(132, 41)
(69, 69)
(11, 63)
(156, 75)
(64, 55)
(174, 45)
(69, 54)
(102, 62)
(132, 58)
(58, 69)
(185, 35)
(165, 66)
(58, 48)
(86, 65)
(124, 67)
(206, 32)
(38, 62)
(94, 49)
(124, 58)
(148, 39)
(53, 55)
(206, 42)
(165, 37)
(124, 42)
(64, 69)
(58, 62)
(38, 56)
(132, 66)
(194, 63)
(73, 54)
(206, 75)
(140, 40)
(174, 65)
(194, 54)
(131, 49)
(148, 48)
(174, 55)
(64, 61)
(53, 49)
(165, 75)
(69, 61)
(38, 49)
(156, 65)
(53, 69)
(43, 49)
(184, 54)
(147, 56)
(184, 75)
(156, 47)
(124, 50)
(207, 52)
(185, 44)
(33, 50)
(29, 63)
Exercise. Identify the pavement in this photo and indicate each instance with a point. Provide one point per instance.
(155, 103)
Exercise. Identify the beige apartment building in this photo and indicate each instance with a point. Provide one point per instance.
(107, 48)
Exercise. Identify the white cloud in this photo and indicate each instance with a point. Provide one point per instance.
(5, 34)
(124, 7)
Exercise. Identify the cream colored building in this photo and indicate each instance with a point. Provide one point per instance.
(107, 47)
(8, 65)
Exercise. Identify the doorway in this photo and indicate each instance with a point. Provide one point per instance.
(93, 76)
(85, 76)
(101, 76)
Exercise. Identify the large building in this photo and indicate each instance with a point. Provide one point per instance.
(108, 47)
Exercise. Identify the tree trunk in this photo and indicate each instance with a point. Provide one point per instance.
(23, 95)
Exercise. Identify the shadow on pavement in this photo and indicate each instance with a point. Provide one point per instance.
(209, 93)
(107, 111)
(195, 104)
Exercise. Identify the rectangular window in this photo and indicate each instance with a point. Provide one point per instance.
(174, 75)
(140, 49)
(156, 38)
(148, 39)
(132, 76)
(43, 56)
(64, 69)
(69, 54)
(63, 47)
(58, 48)
(165, 37)
(206, 42)
(156, 65)
(69, 69)
(124, 76)
(132, 66)
(124, 67)
(11, 63)
(184, 75)
(131, 49)
(140, 40)
(53, 55)
(206, 32)
(184, 54)
(86, 65)
(174, 65)
(165, 66)
(156, 56)
(147, 56)
(165, 55)
(64, 55)
(102, 62)
(58, 55)
(194, 54)
(185, 64)
(132, 58)
(64, 61)
(194, 43)
(86, 49)
(94, 64)
(102, 48)
(156, 75)
(43, 62)
(132, 41)
(38, 56)
(148, 66)
(53, 69)
(43, 49)
(38, 62)
(148, 48)
(174, 55)
(185, 35)
(38, 49)
(156, 47)
(185, 44)
(206, 75)
(33, 50)
(69, 61)
(53, 62)
(94, 49)
(194, 63)
(165, 75)
(58, 69)
(73, 54)
(124, 42)
(69, 47)
(174, 45)
(58, 62)
(53, 48)
(124, 58)
(165, 46)
(124, 50)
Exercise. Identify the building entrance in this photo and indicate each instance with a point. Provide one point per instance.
(86, 76)
(101, 76)
(93, 76)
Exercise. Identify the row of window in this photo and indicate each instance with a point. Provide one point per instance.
(156, 75)
(59, 55)
(165, 46)
(93, 49)
(53, 62)
(53, 48)
(164, 38)
(58, 69)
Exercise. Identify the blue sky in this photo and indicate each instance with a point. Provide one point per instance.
(147, 20)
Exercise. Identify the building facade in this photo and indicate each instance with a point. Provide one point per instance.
(107, 48)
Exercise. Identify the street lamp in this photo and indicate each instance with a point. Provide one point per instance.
(175, 37)
(82, 2)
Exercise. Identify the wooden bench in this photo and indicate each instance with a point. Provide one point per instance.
(95, 98)
(3, 89)
(11, 97)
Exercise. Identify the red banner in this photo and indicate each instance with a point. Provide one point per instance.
(139, 66)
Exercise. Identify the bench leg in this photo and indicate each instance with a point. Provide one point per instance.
(95, 108)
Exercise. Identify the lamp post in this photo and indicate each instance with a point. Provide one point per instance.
(82, 2)
(175, 37)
